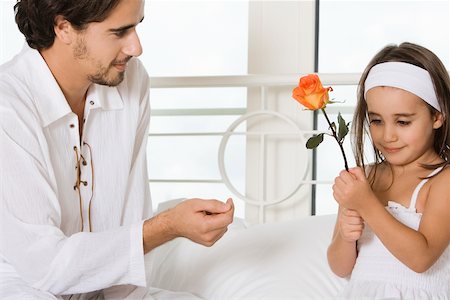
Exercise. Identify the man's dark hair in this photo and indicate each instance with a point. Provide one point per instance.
(36, 18)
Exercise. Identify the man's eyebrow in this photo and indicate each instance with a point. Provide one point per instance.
(126, 27)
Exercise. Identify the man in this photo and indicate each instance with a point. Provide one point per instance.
(74, 113)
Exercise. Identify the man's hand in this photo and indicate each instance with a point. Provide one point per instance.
(202, 221)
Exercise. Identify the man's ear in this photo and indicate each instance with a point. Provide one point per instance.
(438, 120)
(63, 30)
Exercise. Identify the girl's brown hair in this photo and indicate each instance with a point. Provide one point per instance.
(425, 59)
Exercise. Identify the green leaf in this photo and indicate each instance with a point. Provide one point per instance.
(343, 128)
(314, 141)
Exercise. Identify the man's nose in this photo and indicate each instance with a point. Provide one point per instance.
(133, 45)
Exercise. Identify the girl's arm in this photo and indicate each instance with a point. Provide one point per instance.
(342, 251)
(418, 250)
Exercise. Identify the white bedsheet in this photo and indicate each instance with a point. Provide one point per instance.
(272, 261)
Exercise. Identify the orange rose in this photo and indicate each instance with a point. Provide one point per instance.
(310, 92)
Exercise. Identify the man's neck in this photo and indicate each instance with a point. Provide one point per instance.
(66, 72)
(72, 83)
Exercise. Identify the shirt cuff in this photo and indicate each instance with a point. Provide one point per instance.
(137, 263)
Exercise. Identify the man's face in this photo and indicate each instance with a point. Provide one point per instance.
(103, 49)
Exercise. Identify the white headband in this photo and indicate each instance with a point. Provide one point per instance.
(405, 76)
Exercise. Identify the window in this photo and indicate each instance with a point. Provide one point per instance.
(195, 38)
(11, 40)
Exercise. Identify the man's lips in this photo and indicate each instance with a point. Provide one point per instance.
(120, 67)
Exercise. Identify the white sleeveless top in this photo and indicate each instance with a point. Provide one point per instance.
(377, 274)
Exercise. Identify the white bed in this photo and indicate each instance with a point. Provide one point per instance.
(284, 260)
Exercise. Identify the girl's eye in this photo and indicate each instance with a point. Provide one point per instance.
(375, 122)
(403, 123)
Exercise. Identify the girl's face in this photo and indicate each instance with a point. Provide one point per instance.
(401, 126)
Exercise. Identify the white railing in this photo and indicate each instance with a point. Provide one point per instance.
(249, 81)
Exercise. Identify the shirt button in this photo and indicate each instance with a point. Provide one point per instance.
(72, 125)
(92, 102)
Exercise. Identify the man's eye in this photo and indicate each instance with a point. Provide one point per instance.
(120, 33)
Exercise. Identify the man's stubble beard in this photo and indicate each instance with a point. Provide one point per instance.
(80, 52)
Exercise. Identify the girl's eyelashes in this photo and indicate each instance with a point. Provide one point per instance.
(379, 122)
(403, 123)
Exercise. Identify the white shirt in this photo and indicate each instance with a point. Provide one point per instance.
(40, 148)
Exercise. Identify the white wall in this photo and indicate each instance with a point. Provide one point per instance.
(281, 41)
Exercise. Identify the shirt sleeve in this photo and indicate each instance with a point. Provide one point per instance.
(137, 185)
(30, 219)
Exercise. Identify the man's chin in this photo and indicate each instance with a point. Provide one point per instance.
(109, 82)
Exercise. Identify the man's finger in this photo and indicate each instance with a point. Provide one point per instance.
(211, 206)
(219, 221)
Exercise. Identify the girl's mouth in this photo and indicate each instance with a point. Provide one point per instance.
(391, 149)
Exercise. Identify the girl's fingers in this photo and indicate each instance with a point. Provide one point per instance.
(352, 213)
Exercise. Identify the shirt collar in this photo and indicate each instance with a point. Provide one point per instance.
(50, 102)
(48, 97)
(104, 97)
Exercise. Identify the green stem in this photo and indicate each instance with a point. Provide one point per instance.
(336, 138)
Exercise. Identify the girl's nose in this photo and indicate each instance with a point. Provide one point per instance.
(389, 134)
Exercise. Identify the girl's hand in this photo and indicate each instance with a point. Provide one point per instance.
(351, 224)
(351, 189)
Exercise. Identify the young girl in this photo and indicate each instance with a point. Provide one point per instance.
(392, 232)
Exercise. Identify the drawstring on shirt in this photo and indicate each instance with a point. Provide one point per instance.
(80, 160)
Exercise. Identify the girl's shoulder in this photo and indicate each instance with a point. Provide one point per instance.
(438, 192)
(439, 187)
(442, 177)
